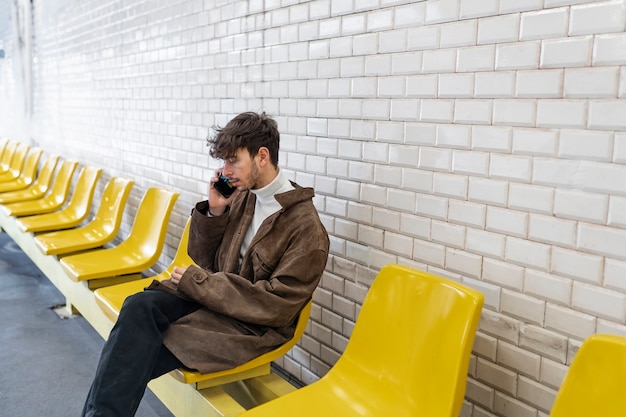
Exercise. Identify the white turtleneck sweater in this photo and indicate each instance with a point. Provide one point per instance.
(265, 206)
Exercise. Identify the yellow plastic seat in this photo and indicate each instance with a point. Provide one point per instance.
(28, 174)
(111, 298)
(7, 155)
(594, 384)
(38, 188)
(17, 163)
(139, 251)
(99, 231)
(76, 210)
(408, 354)
(50, 202)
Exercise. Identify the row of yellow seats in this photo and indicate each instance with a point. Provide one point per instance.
(42, 207)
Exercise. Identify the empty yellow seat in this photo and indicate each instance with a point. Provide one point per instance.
(139, 251)
(7, 155)
(28, 174)
(76, 210)
(111, 298)
(38, 188)
(408, 354)
(17, 163)
(99, 231)
(594, 384)
(52, 201)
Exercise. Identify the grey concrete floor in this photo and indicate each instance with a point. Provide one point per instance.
(46, 363)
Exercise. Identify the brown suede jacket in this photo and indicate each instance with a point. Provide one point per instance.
(248, 310)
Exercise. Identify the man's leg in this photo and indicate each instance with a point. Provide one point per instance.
(134, 353)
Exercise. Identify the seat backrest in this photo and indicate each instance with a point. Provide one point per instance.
(82, 196)
(595, 382)
(17, 162)
(412, 342)
(62, 182)
(46, 173)
(30, 165)
(181, 257)
(7, 155)
(108, 217)
(147, 233)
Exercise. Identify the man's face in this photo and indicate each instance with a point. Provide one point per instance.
(242, 170)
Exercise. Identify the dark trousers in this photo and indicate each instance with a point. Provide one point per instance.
(134, 353)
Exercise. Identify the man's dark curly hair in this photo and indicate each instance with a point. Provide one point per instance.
(247, 130)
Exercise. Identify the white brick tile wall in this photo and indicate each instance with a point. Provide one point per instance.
(481, 140)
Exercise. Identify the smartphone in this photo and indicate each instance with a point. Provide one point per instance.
(224, 186)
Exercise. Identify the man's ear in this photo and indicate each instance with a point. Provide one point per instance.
(264, 156)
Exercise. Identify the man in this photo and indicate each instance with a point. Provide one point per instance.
(259, 255)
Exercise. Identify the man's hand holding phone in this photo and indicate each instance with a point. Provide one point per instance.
(220, 194)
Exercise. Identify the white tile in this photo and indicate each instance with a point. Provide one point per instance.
(614, 275)
(536, 142)
(498, 29)
(420, 134)
(365, 44)
(598, 301)
(392, 131)
(518, 56)
(504, 275)
(423, 37)
(539, 84)
(491, 138)
(415, 226)
(401, 200)
(378, 20)
(386, 219)
(470, 162)
(548, 229)
(527, 253)
(518, 112)
(579, 266)
(511, 6)
(432, 206)
(436, 110)
(531, 198)
(561, 113)
(570, 322)
(447, 233)
(378, 65)
(462, 33)
(377, 152)
(619, 150)
(602, 240)
(609, 49)
(456, 85)
(544, 24)
(525, 307)
(468, 264)
(435, 159)
(353, 24)
(417, 180)
(566, 52)
(392, 41)
(510, 167)
(472, 111)
(510, 222)
(484, 243)
(579, 205)
(412, 14)
(453, 136)
(557, 172)
(402, 155)
(478, 8)
(484, 190)
(476, 58)
(591, 82)
(617, 212)
(431, 253)
(450, 185)
(441, 60)
(467, 213)
(404, 109)
(438, 11)
(406, 63)
(376, 109)
(495, 84)
(398, 244)
(601, 17)
(607, 114)
(549, 287)
(422, 86)
(585, 144)
(361, 171)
